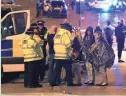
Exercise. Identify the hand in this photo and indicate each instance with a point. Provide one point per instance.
(73, 54)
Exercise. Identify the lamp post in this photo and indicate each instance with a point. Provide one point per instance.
(80, 10)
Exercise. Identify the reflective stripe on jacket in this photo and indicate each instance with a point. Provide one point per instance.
(62, 44)
(31, 49)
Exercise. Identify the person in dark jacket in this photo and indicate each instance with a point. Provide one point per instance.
(88, 41)
(50, 42)
(76, 68)
(109, 30)
(108, 34)
(120, 37)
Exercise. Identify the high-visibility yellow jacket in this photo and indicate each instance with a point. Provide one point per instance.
(62, 44)
(38, 39)
(31, 49)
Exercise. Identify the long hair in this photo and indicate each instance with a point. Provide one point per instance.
(86, 32)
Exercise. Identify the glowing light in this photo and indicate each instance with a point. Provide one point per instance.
(105, 8)
(115, 2)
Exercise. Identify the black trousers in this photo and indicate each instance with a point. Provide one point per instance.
(120, 47)
(31, 73)
(42, 69)
(57, 71)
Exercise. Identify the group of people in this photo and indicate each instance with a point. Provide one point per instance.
(65, 47)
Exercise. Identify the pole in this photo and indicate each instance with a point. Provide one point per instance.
(80, 16)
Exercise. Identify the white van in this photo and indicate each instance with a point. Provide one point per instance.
(14, 23)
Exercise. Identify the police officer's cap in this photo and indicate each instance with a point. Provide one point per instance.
(66, 26)
(29, 31)
(40, 22)
(34, 26)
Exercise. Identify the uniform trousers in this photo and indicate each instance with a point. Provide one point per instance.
(42, 69)
(43, 65)
(57, 70)
(31, 73)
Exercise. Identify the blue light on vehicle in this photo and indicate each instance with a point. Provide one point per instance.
(105, 8)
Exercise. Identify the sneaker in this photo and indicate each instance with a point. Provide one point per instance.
(121, 61)
(102, 84)
(90, 84)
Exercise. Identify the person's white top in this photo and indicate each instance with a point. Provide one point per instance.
(111, 27)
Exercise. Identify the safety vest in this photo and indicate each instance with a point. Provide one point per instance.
(31, 49)
(38, 40)
(62, 44)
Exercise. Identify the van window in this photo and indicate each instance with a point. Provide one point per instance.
(7, 28)
(14, 24)
(57, 3)
(20, 22)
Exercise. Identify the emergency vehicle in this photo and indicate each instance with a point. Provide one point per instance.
(14, 23)
(107, 5)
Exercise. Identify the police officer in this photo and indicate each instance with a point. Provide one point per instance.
(32, 58)
(62, 49)
(36, 31)
(43, 35)
(120, 37)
